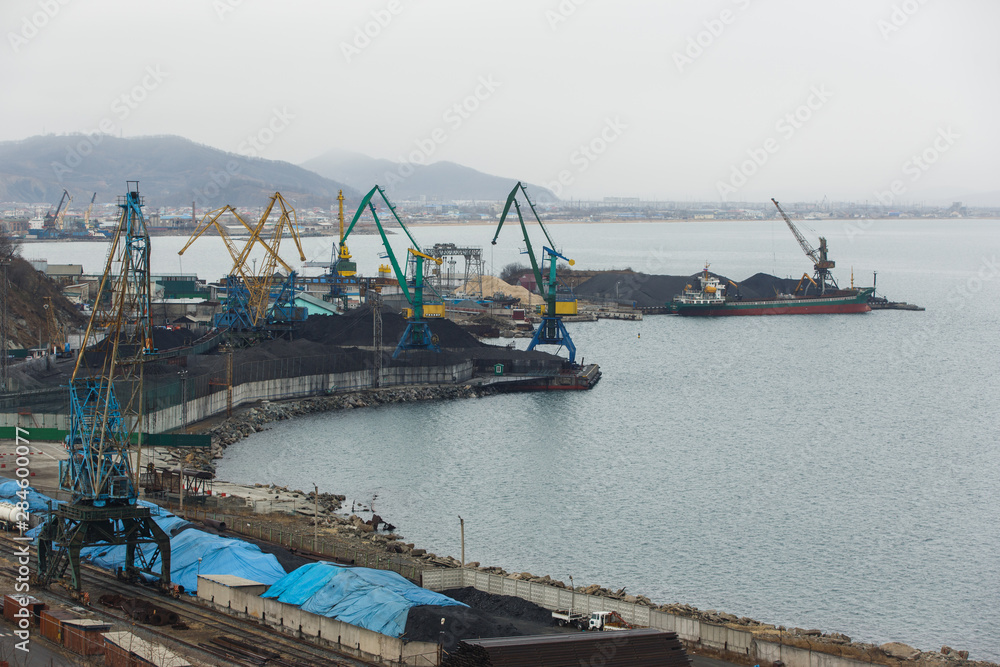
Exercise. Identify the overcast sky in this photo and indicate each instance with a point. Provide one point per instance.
(710, 99)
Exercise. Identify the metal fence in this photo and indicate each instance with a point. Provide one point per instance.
(164, 386)
(296, 538)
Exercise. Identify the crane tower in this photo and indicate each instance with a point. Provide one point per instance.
(105, 394)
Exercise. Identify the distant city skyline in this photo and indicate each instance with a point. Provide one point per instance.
(733, 100)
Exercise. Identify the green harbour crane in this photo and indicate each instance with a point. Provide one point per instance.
(417, 335)
(551, 331)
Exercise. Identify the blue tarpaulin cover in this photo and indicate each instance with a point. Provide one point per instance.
(377, 600)
(219, 555)
(37, 502)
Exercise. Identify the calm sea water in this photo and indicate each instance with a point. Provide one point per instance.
(836, 472)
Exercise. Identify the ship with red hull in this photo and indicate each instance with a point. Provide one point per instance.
(709, 299)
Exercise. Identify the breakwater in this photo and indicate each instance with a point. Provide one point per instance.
(256, 418)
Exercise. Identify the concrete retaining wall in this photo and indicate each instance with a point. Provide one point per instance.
(727, 643)
(346, 638)
(171, 418)
(243, 600)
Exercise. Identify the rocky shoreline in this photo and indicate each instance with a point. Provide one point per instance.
(254, 419)
(353, 527)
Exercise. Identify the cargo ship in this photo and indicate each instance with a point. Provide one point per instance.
(709, 299)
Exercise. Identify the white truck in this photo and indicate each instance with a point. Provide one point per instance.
(608, 620)
(564, 617)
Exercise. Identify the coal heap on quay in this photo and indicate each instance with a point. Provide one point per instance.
(488, 615)
(656, 291)
(321, 344)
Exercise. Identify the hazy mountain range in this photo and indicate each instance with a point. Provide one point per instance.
(173, 171)
(440, 181)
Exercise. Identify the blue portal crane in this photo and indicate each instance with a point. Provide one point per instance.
(105, 393)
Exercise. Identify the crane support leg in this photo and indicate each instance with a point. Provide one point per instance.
(416, 337)
(552, 331)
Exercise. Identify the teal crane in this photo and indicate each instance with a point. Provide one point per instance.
(551, 331)
(417, 335)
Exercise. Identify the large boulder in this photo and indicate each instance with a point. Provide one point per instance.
(900, 651)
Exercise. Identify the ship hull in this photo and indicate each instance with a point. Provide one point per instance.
(819, 305)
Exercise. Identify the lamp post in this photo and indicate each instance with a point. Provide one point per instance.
(461, 522)
(184, 400)
(572, 596)
(315, 517)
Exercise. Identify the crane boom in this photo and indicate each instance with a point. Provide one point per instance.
(86, 216)
(417, 335)
(551, 331)
(823, 278)
(812, 253)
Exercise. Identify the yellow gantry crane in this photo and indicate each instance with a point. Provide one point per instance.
(249, 289)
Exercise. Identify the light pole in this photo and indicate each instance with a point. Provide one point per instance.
(461, 522)
(184, 400)
(315, 517)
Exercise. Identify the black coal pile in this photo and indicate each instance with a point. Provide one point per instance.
(424, 624)
(644, 290)
(356, 327)
(508, 606)
(651, 291)
(167, 339)
(487, 615)
(763, 286)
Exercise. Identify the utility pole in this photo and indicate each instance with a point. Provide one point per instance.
(184, 399)
(462, 524)
(376, 301)
(315, 517)
(4, 373)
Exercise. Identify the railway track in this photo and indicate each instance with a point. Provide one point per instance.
(241, 643)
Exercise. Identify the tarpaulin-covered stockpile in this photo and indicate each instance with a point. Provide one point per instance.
(376, 600)
(219, 555)
(37, 502)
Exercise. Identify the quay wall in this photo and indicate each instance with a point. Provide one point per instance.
(170, 418)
